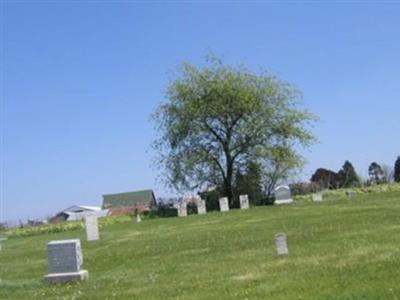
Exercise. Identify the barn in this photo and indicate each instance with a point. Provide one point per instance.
(129, 202)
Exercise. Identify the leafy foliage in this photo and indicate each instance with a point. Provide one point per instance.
(375, 173)
(249, 183)
(397, 170)
(325, 179)
(220, 117)
(348, 176)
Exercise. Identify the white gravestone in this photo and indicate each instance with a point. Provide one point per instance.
(244, 201)
(92, 228)
(201, 207)
(138, 218)
(65, 261)
(182, 209)
(317, 197)
(283, 195)
(281, 244)
(223, 204)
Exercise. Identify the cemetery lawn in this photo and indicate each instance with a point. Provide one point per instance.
(341, 249)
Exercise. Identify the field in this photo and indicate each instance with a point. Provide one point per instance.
(344, 248)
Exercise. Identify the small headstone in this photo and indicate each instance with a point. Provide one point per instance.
(201, 207)
(317, 197)
(138, 218)
(283, 195)
(281, 244)
(65, 261)
(350, 194)
(244, 201)
(223, 204)
(92, 228)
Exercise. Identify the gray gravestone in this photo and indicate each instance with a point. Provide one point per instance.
(223, 204)
(281, 244)
(201, 207)
(92, 228)
(283, 195)
(317, 197)
(244, 201)
(65, 260)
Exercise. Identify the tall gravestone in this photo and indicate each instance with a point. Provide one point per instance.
(283, 195)
(223, 204)
(244, 201)
(281, 244)
(201, 207)
(92, 228)
(182, 209)
(65, 261)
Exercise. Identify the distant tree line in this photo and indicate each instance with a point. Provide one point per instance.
(347, 177)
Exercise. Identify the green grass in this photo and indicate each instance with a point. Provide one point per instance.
(343, 249)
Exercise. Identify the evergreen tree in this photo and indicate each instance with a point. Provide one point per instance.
(375, 173)
(348, 176)
(397, 170)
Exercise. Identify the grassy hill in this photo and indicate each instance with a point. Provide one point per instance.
(339, 249)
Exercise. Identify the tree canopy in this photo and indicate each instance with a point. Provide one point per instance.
(219, 117)
(348, 176)
(376, 173)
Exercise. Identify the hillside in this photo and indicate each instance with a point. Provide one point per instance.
(344, 248)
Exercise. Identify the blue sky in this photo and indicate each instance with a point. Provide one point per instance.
(80, 80)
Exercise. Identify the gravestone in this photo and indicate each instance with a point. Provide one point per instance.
(317, 197)
(182, 209)
(281, 244)
(138, 218)
(244, 201)
(65, 261)
(283, 195)
(201, 207)
(223, 204)
(92, 228)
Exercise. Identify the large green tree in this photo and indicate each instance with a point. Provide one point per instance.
(219, 117)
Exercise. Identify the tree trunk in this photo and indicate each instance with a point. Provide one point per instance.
(229, 181)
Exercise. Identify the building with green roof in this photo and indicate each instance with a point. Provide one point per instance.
(142, 200)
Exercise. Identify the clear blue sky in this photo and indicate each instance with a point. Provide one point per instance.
(79, 81)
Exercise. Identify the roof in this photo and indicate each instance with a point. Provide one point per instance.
(79, 208)
(128, 199)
